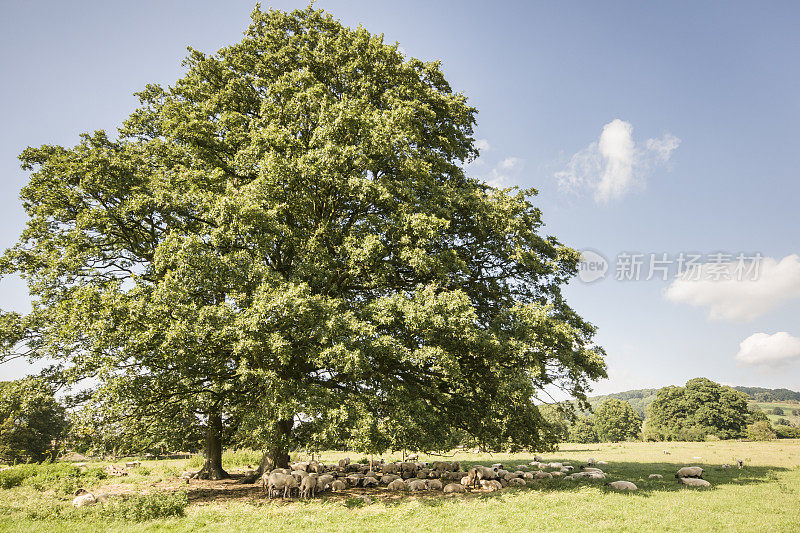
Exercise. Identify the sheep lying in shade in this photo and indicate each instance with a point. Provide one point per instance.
(693, 482)
(418, 485)
(454, 488)
(655, 476)
(338, 485)
(622, 485)
(690, 471)
(397, 484)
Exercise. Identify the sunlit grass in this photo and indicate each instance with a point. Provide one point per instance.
(761, 497)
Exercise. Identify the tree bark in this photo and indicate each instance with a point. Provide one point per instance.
(212, 469)
(276, 455)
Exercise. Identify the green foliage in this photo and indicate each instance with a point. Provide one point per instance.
(583, 430)
(289, 229)
(700, 408)
(63, 478)
(30, 421)
(760, 394)
(138, 508)
(777, 411)
(615, 421)
(760, 430)
(787, 432)
(782, 422)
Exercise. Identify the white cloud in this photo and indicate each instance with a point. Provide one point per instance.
(482, 145)
(614, 164)
(502, 174)
(729, 295)
(765, 349)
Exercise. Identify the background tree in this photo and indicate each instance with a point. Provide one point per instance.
(284, 241)
(615, 421)
(777, 411)
(761, 430)
(700, 408)
(583, 430)
(32, 421)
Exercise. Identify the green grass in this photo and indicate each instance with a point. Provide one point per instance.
(765, 496)
(767, 407)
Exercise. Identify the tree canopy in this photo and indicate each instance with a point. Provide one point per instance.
(32, 421)
(283, 248)
(699, 409)
(615, 421)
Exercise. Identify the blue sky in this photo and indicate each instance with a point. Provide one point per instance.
(647, 128)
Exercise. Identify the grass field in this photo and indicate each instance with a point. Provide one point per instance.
(764, 496)
(788, 408)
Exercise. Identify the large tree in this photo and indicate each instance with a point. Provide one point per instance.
(701, 408)
(283, 246)
(615, 420)
(32, 421)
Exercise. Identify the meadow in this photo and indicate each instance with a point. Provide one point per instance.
(764, 496)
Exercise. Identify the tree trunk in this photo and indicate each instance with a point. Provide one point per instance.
(212, 469)
(277, 453)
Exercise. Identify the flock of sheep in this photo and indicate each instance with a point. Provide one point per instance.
(306, 479)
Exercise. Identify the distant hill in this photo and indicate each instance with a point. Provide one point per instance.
(641, 398)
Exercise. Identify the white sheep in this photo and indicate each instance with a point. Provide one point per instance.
(434, 484)
(308, 486)
(517, 482)
(324, 481)
(338, 485)
(397, 484)
(622, 485)
(418, 485)
(454, 488)
(693, 482)
(344, 462)
(83, 498)
(690, 471)
(491, 485)
(655, 476)
(369, 482)
(542, 475)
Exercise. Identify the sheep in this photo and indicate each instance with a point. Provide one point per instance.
(725, 466)
(418, 485)
(308, 486)
(83, 498)
(434, 484)
(740, 463)
(397, 484)
(571, 477)
(693, 482)
(391, 468)
(388, 478)
(596, 475)
(354, 480)
(556, 474)
(591, 461)
(537, 459)
(589, 469)
(690, 471)
(338, 485)
(274, 482)
(344, 462)
(555, 465)
(602, 462)
(324, 482)
(528, 475)
(497, 466)
(655, 476)
(408, 470)
(567, 469)
(543, 475)
(622, 485)
(491, 485)
(413, 457)
(485, 473)
(517, 482)
(454, 488)
(369, 482)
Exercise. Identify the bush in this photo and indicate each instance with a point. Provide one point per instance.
(787, 432)
(712, 438)
(777, 411)
(13, 477)
(145, 507)
(760, 431)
